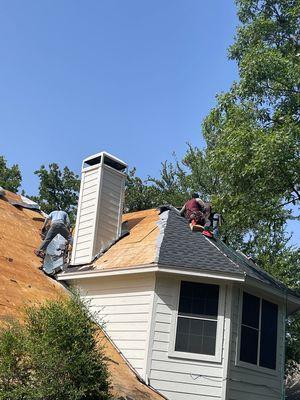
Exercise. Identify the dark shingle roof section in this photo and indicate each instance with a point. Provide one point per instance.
(181, 247)
(250, 268)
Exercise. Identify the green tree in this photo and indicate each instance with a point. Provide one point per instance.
(169, 188)
(253, 134)
(58, 189)
(138, 195)
(10, 177)
(54, 355)
(172, 185)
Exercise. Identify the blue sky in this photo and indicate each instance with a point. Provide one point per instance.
(134, 77)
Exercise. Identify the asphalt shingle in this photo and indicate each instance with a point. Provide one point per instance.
(181, 247)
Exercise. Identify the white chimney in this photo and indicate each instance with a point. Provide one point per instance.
(100, 205)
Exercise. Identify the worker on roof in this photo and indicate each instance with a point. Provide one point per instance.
(59, 224)
(197, 212)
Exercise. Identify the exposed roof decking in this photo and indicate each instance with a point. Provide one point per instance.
(22, 283)
(138, 248)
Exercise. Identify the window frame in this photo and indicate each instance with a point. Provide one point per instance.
(244, 364)
(217, 358)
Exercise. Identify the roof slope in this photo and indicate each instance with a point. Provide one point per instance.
(22, 283)
(139, 247)
(181, 247)
(165, 238)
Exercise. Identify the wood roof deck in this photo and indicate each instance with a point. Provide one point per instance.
(138, 248)
(22, 283)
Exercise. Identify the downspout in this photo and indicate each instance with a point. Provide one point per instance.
(284, 346)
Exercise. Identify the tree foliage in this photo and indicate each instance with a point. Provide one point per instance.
(10, 177)
(138, 195)
(58, 189)
(169, 188)
(253, 134)
(53, 356)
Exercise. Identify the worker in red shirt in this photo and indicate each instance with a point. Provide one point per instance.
(197, 212)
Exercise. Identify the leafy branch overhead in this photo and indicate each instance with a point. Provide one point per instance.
(10, 177)
(58, 189)
(253, 134)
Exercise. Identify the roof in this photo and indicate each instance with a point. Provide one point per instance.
(165, 239)
(137, 248)
(22, 283)
(183, 248)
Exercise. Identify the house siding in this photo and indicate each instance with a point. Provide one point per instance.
(178, 378)
(110, 204)
(124, 305)
(247, 383)
(84, 232)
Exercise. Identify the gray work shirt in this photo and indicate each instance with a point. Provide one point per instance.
(59, 216)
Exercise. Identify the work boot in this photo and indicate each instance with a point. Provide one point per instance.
(207, 234)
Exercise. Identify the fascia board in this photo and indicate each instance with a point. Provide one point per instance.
(108, 272)
(150, 268)
(294, 301)
(205, 274)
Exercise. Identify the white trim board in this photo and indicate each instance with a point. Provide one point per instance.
(151, 268)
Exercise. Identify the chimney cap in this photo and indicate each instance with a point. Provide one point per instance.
(104, 158)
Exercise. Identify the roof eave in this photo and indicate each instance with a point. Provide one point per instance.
(154, 267)
(94, 273)
(221, 275)
(293, 301)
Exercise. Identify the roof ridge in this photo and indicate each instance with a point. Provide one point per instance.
(162, 224)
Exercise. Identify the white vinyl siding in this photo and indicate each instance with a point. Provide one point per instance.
(99, 214)
(110, 205)
(86, 214)
(124, 305)
(249, 382)
(179, 378)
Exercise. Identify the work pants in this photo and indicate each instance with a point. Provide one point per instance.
(55, 229)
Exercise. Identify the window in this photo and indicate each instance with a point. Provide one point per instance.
(197, 318)
(258, 332)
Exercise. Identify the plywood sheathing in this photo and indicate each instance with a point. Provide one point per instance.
(122, 385)
(139, 247)
(22, 283)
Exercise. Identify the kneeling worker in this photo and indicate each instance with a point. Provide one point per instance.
(59, 224)
(197, 212)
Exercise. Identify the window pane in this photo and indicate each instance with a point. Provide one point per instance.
(250, 316)
(249, 345)
(198, 299)
(268, 338)
(196, 336)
